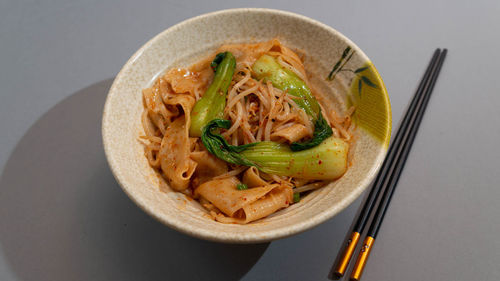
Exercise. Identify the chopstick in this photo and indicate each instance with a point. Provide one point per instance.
(401, 156)
(390, 172)
(378, 184)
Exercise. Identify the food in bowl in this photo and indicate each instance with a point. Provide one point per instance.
(354, 81)
(244, 132)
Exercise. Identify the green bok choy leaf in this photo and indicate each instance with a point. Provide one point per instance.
(268, 69)
(326, 161)
(212, 103)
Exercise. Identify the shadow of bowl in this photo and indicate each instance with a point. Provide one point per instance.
(64, 217)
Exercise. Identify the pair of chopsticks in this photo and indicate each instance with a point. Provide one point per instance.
(389, 174)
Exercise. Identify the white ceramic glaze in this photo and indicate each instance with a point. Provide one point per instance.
(188, 41)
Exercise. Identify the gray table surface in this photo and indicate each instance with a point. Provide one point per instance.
(63, 216)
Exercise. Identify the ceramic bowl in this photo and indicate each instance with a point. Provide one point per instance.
(355, 82)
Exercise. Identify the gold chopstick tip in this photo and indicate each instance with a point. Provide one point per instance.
(357, 271)
(346, 255)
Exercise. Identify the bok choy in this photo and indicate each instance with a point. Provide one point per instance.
(268, 69)
(326, 161)
(212, 103)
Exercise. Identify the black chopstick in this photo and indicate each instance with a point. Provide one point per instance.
(401, 156)
(369, 204)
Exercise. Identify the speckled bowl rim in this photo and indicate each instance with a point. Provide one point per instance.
(263, 236)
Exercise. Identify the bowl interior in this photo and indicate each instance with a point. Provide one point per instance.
(357, 84)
